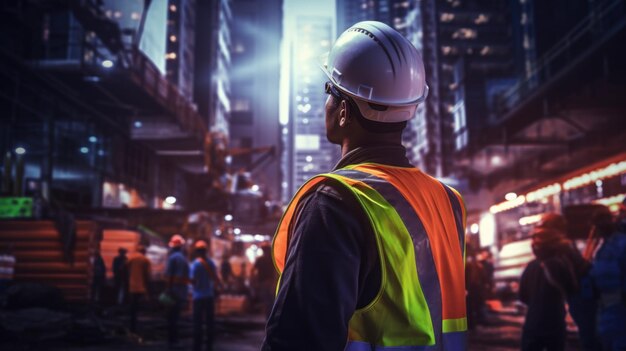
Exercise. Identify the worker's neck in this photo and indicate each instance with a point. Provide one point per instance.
(369, 140)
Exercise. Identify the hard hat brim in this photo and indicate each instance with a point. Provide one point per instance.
(323, 65)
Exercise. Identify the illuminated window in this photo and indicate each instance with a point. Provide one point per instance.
(173, 8)
(448, 50)
(485, 51)
(118, 14)
(135, 16)
(173, 38)
(170, 56)
(446, 17)
(481, 19)
(307, 142)
(526, 42)
(241, 105)
(465, 33)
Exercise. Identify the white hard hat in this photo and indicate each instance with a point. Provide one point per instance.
(374, 63)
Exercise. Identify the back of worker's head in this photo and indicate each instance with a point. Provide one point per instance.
(141, 249)
(200, 248)
(380, 75)
(602, 222)
(549, 236)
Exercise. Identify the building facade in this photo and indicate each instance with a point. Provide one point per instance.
(255, 77)
(181, 44)
(307, 152)
(213, 61)
(98, 121)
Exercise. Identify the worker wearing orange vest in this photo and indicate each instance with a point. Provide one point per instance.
(370, 255)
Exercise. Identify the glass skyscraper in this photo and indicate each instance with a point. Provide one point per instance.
(307, 152)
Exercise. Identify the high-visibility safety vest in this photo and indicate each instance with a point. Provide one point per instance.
(419, 227)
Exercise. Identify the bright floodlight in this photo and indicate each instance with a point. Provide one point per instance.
(237, 231)
(84, 150)
(510, 196)
(20, 150)
(107, 63)
(138, 124)
(170, 200)
(474, 228)
(496, 160)
(255, 188)
(93, 139)
(228, 217)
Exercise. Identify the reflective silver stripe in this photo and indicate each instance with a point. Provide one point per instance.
(458, 215)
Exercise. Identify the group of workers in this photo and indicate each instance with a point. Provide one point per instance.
(593, 285)
(132, 275)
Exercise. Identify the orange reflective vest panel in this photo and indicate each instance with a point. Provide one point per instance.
(419, 224)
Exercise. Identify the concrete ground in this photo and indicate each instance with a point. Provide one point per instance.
(241, 332)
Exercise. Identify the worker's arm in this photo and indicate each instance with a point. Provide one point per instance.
(321, 283)
(525, 283)
(213, 273)
(193, 271)
(169, 273)
(147, 276)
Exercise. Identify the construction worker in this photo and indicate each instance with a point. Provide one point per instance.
(371, 254)
(138, 268)
(608, 275)
(120, 274)
(177, 276)
(548, 282)
(204, 280)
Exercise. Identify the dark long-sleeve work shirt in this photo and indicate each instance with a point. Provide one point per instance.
(332, 266)
(546, 306)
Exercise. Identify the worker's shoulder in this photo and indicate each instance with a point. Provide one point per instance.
(329, 188)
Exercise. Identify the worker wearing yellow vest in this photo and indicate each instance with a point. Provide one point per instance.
(370, 255)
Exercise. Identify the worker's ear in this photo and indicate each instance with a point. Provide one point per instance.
(344, 113)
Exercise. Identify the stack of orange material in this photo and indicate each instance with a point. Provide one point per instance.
(38, 252)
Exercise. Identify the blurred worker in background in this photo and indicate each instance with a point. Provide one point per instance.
(547, 282)
(120, 275)
(99, 272)
(351, 242)
(204, 280)
(608, 275)
(486, 259)
(264, 275)
(138, 268)
(226, 271)
(475, 285)
(177, 279)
